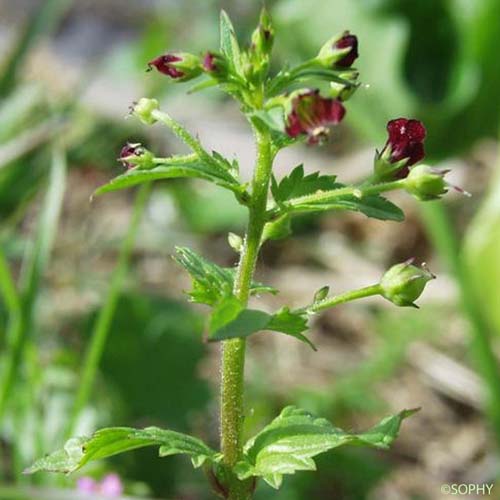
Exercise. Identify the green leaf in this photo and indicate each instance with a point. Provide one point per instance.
(231, 320)
(228, 42)
(292, 323)
(211, 283)
(174, 167)
(289, 443)
(108, 442)
(297, 184)
(374, 206)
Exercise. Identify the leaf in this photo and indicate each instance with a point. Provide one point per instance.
(374, 206)
(211, 283)
(228, 42)
(297, 184)
(108, 442)
(289, 443)
(174, 167)
(231, 320)
(291, 323)
(227, 325)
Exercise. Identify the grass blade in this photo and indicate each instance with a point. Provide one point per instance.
(102, 324)
(35, 265)
(43, 20)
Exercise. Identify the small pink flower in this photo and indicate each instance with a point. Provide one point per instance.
(312, 115)
(86, 485)
(111, 486)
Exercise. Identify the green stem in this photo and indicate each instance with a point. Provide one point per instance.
(327, 196)
(342, 298)
(103, 323)
(233, 351)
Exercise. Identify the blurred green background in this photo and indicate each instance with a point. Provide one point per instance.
(92, 285)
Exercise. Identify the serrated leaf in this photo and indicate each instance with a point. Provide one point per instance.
(333, 198)
(231, 320)
(291, 441)
(292, 323)
(108, 442)
(243, 324)
(175, 167)
(297, 184)
(212, 283)
(374, 206)
(228, 42)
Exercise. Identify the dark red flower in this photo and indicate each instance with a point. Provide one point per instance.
(346, 41)
(312, 114)
(164, 65)
(406, 140)
(130, 149)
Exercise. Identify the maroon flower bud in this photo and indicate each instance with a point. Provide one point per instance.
(180, 66)
(209, 62)
(339, 52)
(164, 65)
(312, 115)
(404, 148)
(130, 149)
(135, 155)
(215, 65)
(347, 41)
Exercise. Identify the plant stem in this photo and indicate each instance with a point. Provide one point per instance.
(233, 351)
(342, 298)
(103, 322)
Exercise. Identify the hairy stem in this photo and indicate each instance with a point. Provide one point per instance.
(233, 351)
(342, 298)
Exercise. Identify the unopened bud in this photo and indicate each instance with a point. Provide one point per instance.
(235, 242)
(426, 183)
(143, 109)
(215, 65)
(263, 36)
(180, 66)
(403, 283)
(135, 155)
(340, 51)
(321, 294)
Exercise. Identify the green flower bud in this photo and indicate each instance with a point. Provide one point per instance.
(144, 108)
(235, 242)
(263, 36)
(426, 183)
(403, 283)
(321, 294)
